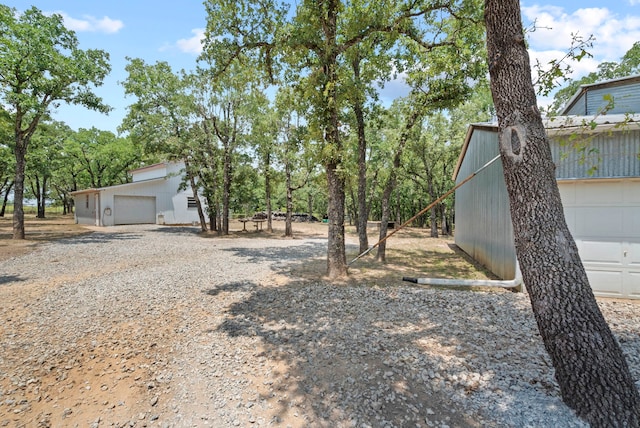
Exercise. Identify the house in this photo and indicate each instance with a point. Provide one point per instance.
(153, 196)
(598, 173)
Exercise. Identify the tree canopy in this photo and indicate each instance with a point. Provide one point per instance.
(41, 66)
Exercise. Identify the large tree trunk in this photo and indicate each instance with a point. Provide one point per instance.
(194, 189)
(363, 212)
(336, 255)
(267, 193)
(18, 190)
(226, 189)
(381, 255)
(41, 197)
(433, 211)
(590, 367)
(288, 230)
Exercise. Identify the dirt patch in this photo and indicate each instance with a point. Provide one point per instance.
(37, 231)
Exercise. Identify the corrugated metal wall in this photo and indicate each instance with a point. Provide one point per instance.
(608, 154)
(483, 224)
(626, 99)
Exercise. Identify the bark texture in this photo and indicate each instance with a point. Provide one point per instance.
(590, 367)
(18, 189)
(336, 256)
(336, 251)
(363, 211)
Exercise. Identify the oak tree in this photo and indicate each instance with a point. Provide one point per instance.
(41, 66)
(589, 364)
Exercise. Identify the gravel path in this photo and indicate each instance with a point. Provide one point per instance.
(156, 326)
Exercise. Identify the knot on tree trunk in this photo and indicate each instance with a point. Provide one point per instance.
(513, 139)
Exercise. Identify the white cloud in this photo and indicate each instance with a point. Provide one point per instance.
(614, 34)
(90, 23)
(194, 44)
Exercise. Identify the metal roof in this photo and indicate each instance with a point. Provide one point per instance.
(558, 125)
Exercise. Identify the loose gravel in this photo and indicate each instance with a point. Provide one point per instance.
(156, 326)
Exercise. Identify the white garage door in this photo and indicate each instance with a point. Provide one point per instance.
(604, 218)
(134, 209)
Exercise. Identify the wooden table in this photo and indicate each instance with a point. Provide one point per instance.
(256, 223)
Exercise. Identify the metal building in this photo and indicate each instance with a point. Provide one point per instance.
(598, 171)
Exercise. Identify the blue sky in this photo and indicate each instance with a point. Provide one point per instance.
(170, 31)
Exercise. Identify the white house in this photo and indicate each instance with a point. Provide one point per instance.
(153, 196)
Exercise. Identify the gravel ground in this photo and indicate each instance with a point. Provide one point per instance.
(156, 326)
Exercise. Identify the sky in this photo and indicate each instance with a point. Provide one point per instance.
(159, 30)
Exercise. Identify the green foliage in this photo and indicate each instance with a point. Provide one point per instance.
(556, 72)
(42, 65)
(628, 65)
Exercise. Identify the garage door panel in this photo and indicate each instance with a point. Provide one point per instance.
(600, 252)
(632, 192)
(134, 209)
(604, 221)
(632, 283)
(567, 193)
(607, 282)
(599, 193)
(604, 218)
(632, 257)
(632, 219)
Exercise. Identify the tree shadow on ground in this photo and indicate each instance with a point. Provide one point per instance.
(394, 356)
(6, 279)
(304, 251)
(100, 237)
(177, 230)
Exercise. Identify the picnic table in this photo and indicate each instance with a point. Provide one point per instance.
(256, 222)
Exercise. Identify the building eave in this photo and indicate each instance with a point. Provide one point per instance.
(116, 187)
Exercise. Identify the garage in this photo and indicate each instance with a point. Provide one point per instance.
(604, 217)
(134, 209)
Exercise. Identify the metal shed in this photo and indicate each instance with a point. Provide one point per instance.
(598, 173)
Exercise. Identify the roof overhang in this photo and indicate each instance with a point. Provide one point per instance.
(560, 125)
(116, 187)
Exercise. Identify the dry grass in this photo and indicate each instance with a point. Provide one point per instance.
(37, 231)
(411, 252)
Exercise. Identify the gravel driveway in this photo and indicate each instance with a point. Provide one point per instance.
(157, 326)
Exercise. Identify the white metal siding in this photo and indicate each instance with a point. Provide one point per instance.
(134, 209)
(604, 218)
(483, 226)
(85, 208)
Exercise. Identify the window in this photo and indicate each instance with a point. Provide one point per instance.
(87, 202)
(191, 202)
